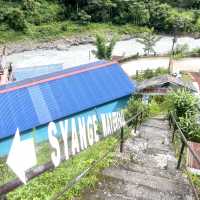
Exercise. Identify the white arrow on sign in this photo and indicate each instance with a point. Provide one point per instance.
(22, 156)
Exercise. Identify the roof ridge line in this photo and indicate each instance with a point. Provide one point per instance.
(67, 74)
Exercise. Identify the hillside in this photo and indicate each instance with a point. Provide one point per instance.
(47, 19)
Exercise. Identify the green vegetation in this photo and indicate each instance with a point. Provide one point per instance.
(186, 109)
(195, 52)
(196, 181)
(148, 39)
(180, 51)
(104, 47)
(149, 73)
(136, 105)
(158, 106)
(54, 30)
(48, 184)
(39, 19)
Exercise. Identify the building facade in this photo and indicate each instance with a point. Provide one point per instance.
(29, 105)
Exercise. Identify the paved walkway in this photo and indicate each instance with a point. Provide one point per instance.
(146, 171)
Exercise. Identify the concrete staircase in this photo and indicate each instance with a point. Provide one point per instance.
(146, 171)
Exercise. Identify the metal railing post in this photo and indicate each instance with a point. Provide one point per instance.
(170, 121)
(121, 140)
(181, 154)
(173, 134)
(136, 121)
(3, 197)
(140, 118)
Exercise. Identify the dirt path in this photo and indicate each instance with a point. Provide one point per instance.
(147, 170)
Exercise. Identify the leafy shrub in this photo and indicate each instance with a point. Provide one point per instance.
(136, 105)
(148, 73)
(190, 128)
(181, 50)
(104, 50)
(29, 5)
(3, 14)
(183, 103)
(83, 17)
(16, 19)
(158, 15)
(186, 109)
(138, 14)
(179, 21)
(195, 52)
(160, 71)
(38, 12)
(154, 108)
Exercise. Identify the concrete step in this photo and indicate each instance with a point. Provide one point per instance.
(112, 189)
(153, 171)
(146, 169)
(154, 182)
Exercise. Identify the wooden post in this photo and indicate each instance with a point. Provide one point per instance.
(181, 154)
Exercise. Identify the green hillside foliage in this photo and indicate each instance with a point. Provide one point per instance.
(25, 16)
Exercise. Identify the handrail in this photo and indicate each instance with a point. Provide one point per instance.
(183, 139)
(13, 184)
(77, 179)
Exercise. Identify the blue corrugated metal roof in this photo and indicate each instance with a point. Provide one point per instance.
(34, 102)
(30, 72)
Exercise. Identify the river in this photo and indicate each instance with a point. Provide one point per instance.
(76, 55)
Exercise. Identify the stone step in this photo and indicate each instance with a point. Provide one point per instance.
(150, 158)
(174, 175)
(112, 189)
(154, 182)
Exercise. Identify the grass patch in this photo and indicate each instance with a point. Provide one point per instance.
(52, 182)
(196, 181)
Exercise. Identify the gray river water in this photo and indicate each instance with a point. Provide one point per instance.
(77, 55)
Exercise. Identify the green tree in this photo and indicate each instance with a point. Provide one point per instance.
(83, 17)
(179, 21)
(148, 39)
(16, 19)
(138, 14)
(104, 47)
(100, 10)
(158, 15)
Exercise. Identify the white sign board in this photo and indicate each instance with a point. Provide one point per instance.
(84, 133)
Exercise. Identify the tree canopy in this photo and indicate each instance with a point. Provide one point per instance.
(162, 15)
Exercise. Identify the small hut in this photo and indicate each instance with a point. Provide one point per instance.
(162, 85)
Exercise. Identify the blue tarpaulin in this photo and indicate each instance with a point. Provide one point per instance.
(30, 72)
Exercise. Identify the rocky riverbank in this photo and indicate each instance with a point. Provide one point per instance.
(62, 44)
